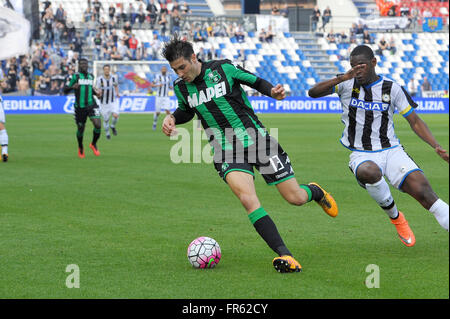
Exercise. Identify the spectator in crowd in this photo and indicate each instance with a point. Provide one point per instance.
(162, 22)
(326, 17)
(216, 30)
(91, 28)
(413, 17)
(155, 47)
(23, 86)
(87, 14)
(97, 41)
(392, 46)
(241, 58)
(426, 86)
(48, 20)
(413, 87)
(275, 11)
(270, 34)
(141, 15)
(262, 35)
(131, 13)
(176, 21)
(133, 46)
(69, 31)
(185, 9)
(152, 10)
(43, 84)
(342, 37)
(239, 33)
(391, 11)
(127, 28)
(331, 37)
(285, 10)
(404, 10)
(427, 13)
(115, 55)
(97, 5)
(123, 50)
(367, 39)
(382, 46)
(199, 36)
(78, 43)
(60, 14)
(315, 17)
(121, 16)
(111, 12)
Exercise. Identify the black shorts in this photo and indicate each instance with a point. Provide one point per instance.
(81, 114)
(267, 156)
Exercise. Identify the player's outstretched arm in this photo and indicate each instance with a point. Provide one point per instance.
(325, 88)
(421, 129)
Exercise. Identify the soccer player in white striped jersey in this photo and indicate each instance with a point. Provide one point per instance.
(3, 133)
(163, 83)
(109, 102)
(369, 101)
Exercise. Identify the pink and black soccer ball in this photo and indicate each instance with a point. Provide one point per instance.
(204, 252)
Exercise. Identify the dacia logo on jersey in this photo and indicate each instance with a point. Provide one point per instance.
(85, 82)
(207, 95)
(214, 76)
(369, 106)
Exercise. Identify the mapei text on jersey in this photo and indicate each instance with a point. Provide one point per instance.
(207, 95)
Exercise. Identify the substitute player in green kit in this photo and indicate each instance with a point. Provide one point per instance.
(212, 91)
(85, 106)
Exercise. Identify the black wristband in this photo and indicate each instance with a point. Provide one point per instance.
(182, 117)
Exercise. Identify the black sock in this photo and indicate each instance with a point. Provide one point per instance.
(96, 136)
(267, 229)
(314, 192)
(80, 139)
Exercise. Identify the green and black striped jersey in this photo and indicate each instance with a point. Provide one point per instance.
(219, 101)
(84, 95)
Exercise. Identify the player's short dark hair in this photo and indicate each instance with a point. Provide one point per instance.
(177, 48)
(363, 50)
(83, 60)
(107, 65)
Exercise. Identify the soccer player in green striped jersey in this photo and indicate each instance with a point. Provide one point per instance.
(85, 105)
(212, 91)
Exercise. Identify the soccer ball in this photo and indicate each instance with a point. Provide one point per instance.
(204, 252)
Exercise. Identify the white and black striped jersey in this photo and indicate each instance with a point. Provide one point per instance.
(166, 82)
(108, 88)
(368, 113)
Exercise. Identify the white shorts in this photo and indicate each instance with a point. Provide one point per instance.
(108, 109)
(2, 113)
(394, 163)
(162, 103)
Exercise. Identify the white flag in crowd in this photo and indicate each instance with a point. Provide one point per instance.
(14, 34)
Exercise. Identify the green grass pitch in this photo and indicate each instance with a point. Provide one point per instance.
(127, 217)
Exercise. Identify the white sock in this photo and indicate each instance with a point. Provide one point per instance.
(440, 211)
(4, 141)
(155, 119)
(381, 193)
(114, 121)
(106, 126)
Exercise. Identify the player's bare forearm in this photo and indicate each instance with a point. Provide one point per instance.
(325, 88)
(421, 129)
